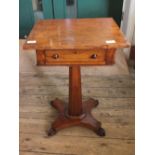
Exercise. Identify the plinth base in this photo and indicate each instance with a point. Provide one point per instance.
(64, 120)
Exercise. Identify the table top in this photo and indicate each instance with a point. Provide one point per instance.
(86, 33)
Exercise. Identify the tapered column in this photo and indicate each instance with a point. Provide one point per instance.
(75, 95)
(76, 114)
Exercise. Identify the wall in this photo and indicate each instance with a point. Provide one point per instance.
(26, 17)
(128, 23)
(57, 9)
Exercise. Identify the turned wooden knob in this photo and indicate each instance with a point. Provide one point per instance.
(55, 56)
(94, 56)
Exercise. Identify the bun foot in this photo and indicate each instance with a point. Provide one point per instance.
(51, 132)
(101, 132)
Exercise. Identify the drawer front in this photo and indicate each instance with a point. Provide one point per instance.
(82, 57)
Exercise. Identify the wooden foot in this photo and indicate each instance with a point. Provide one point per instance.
(64, 120)
(51, 132)
(58, 105)
(101, 132)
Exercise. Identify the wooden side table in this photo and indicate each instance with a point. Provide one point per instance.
(75, 42)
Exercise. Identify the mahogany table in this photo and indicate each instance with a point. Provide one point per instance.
(75, 42)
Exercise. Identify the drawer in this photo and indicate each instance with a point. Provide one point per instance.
(68, 57)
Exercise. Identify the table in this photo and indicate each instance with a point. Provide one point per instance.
(75, 43)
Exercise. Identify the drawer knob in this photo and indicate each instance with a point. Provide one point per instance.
(55, 56)
(94, 56)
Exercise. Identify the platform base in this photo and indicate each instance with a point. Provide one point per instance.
(85, 120)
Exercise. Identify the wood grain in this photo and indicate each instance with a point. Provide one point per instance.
(55, 91)
(76, 34)
(96, 81)
(74, 40)
(115, 111)
(75, 107)
(78, 57)
(115, 130)
(39, 153)
(97, 146)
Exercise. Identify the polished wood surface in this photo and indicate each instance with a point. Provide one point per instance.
(84, 120)
(76, 113)
(75, 94)
(75, 57)
(76, 34)
(75, 42)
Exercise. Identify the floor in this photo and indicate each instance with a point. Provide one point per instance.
(115, 92)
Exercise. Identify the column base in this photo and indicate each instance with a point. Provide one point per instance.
(85, 120)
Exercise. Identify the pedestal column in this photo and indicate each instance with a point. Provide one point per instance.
(75, 94)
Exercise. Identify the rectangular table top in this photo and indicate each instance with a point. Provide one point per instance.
(86, 33)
